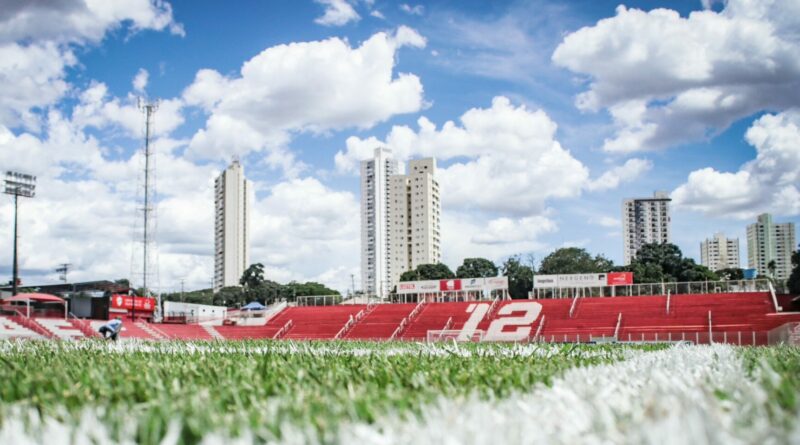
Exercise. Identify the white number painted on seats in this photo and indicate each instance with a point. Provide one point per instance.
(478, 311)
(523, 322)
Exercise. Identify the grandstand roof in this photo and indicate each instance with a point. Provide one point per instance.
(41, 298)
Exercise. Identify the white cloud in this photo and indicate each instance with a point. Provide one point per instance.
(271, 98)
(140, 80)
(31, 76)
(97, 109)
(768, 183)
(377, 14)
(412, 10)
(79, 21)
(627, 172)
(494, 239)
(666, 79)
(605, 221)
(508, 158)
(36, 41)
(337, 13)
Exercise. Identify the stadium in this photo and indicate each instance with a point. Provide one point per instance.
(713, 365)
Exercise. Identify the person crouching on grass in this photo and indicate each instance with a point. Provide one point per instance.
(111, 329)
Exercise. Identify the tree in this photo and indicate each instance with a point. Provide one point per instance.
(731, 274)
(308, 288)
(572, 260)
(229, 296)
(793, 283)
(437, 271)
(664, 262)
(476, 268)
(253, 276)
(520, 277)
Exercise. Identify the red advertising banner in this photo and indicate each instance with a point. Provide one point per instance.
(145, 304)
(449, 285)
(619, 278)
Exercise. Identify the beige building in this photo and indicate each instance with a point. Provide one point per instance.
(232, 202)
(719, 252)
(644, 221)
(766, 242)
(375, 174)
(414, 219)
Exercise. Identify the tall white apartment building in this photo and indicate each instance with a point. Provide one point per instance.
(644, 221)
(231, 226)
(767, 241)
(719, 252)
(375, 250)
(415, 212)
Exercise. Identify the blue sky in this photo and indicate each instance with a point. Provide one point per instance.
(559, 111)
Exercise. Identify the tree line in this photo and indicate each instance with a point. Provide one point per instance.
(254, 287)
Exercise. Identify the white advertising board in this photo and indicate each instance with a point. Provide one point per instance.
(567, 281)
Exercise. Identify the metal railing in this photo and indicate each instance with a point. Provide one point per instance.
(282, 331)
(651, 289)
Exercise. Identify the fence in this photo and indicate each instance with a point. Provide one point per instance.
(319, 300)
(788, 333)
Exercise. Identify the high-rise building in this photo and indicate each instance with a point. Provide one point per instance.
(719, 252)
(231, 226)
(375, 251)
(644, 221)
(766, 242)
(414, 219)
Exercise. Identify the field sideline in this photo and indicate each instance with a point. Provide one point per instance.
(282, 392)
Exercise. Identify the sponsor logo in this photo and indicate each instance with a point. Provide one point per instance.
(407, 286)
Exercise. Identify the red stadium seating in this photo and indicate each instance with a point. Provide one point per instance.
(743, 318)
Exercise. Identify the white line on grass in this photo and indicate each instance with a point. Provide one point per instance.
(672, 396)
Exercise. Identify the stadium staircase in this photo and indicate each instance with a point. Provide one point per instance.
(381, 322)
(315, 322)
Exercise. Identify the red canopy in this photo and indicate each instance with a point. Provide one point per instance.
(41, 298)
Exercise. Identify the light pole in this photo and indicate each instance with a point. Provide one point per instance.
(18, 184)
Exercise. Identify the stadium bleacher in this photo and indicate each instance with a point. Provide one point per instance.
(744, 318)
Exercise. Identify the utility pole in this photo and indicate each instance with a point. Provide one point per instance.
(63, 269)
(181, 291)
(148, 108)
(18, 184)
(353, 284)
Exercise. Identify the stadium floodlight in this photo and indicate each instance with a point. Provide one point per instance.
(18, 184)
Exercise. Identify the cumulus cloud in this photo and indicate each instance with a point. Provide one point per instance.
(627, 172)
(271, 98)
(508, 158)
(98, 109)
(412, 10)
(140, 80)
(769, 183)
(35, 42)
(666, 79)
(337, 13)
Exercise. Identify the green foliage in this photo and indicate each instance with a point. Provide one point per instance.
(309, 288)
(437, 271)
(253, 276)
(657, 262)
(520, 277)
(793, 283)
(572, 260)
(265, 386)
(476, 268)
(202, 296)
(731, 274)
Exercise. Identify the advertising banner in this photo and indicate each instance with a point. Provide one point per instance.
(125, 302)
(620, 278)
(449, 285)
(454, 285)
(471, 284)
(495, 283)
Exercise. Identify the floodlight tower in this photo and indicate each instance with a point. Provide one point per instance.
(18, 184)
(62, 270)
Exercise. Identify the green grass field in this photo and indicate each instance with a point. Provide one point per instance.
(328, 392)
